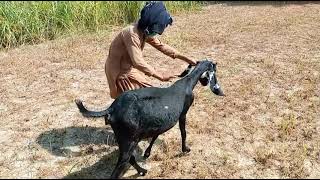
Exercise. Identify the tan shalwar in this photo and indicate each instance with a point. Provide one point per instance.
(125, 56)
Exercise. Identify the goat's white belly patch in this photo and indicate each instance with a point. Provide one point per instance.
(166, 107)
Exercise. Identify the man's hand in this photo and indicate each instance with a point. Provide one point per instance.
(164, 77)
(167, 77)
(186, 59)
(192, 62)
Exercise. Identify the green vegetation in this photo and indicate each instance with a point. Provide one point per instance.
(30, 22)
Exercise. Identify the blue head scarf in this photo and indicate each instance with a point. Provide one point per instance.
(154, 18)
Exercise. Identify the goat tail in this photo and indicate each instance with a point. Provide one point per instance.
(86, 113)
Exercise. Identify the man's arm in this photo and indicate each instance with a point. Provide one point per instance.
(132, 44)
(167, 50)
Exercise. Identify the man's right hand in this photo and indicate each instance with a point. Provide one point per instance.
(164, 77)
(167, 78)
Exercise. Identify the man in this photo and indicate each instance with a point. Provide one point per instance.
(125, 53)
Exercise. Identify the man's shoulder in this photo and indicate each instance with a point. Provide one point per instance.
(132, 29)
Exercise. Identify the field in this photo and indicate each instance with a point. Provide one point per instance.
(267, 125)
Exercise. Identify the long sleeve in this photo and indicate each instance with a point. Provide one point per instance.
(164, 48)
(133, 45)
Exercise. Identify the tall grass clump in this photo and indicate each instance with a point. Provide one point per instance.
(31, 22)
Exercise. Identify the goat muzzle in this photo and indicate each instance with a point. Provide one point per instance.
(215, 88)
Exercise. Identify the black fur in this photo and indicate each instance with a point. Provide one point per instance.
(149, 112)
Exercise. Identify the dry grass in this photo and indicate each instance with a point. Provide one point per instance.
(266, 127)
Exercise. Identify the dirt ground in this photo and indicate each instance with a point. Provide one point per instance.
(267, 125)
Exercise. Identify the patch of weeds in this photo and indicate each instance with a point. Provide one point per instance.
(287, 126)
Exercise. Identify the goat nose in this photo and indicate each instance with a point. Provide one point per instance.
(221, 94)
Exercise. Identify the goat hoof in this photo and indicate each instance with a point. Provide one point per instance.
(143, 172)
(186, 150)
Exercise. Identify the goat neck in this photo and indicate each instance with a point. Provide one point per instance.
(190, 81)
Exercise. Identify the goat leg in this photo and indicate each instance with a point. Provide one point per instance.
(148, 150)
(182, 125)
(134, 163)
(126, 149)
(121, 165)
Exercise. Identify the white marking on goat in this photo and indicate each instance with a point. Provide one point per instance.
(211, 75)
(166, 107)
(204, 74)
(216, 86)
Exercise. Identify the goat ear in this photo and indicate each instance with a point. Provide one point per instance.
(204, 81)
(183, 74)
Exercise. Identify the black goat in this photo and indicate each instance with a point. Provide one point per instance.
(149, 112)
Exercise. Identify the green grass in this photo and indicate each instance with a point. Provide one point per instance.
(31, 22)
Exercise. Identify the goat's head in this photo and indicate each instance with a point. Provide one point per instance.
(207, 77)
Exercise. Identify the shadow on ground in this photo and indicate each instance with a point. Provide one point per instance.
(79, 141)
(66, 141)
(103, 168)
